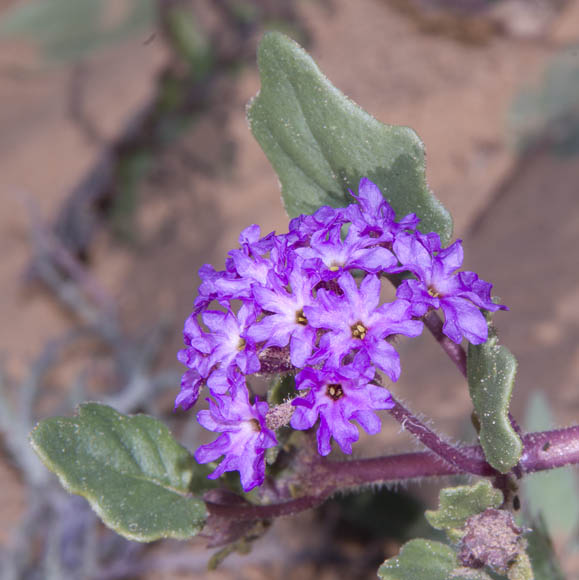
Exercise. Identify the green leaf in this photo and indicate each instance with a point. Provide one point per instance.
(427, 560)
(420, 560)
(469, 574)
(491, 376)
(457, 504)
(541, 552)
(131, 470)
(521, 568)
(321, 143)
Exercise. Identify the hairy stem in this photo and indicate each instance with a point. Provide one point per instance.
(452, 455)
(550, 449)
(456, 353)
(541, 451)
(247, 511)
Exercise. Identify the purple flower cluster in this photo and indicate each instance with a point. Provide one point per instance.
(308, 302)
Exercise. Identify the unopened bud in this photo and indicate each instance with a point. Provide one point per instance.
(279, 416)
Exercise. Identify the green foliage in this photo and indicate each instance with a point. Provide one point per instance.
(521, 568)
(469, 574)
(491, 376)
(457, 504)
(420, 560)
(131, 470)
(541, 552)
(67, 30)
(427, 560)
(321, 143)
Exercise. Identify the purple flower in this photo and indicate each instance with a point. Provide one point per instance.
(287, 322)
(356, 324)
(300, 304)
(303, 226)
(210, 355)
(191, 384)
(222, 286)
(198, 345)
(439, 286)
(244, 435)
(329, 255)
(373, 217)
(250, 269)
(252, 244)
(229, 345)
(337, 397)
(243, 269)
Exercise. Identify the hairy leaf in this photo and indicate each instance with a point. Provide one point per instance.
(420, 560)
(131, 470)
(457, 504)
(491, 376)
(521, 568)
(541, 552)
(321, 143)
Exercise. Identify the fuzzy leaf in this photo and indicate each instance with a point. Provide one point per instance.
(321, 143)
(457, 504)
(491, 376)
(130, 469)
(420, 560)
(541, 552)
(469, 574)
(521, 568)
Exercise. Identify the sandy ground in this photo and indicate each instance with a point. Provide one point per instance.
(455, 95)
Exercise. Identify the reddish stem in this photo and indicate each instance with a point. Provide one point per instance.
(456, 353)
(247, 511)
(541, 451)
(550, 449)
(452, 455)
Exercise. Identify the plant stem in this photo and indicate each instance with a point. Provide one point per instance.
(541, 451)
(247, 511)
(550, 449)
(452, 455)
(456, 353)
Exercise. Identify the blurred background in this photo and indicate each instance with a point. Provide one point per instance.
(126, 163)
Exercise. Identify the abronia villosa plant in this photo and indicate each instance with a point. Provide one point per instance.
(303, 309)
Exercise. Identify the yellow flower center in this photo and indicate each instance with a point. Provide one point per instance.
(301, 318)
(433, 292)
(335, 391)
(358, 330)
